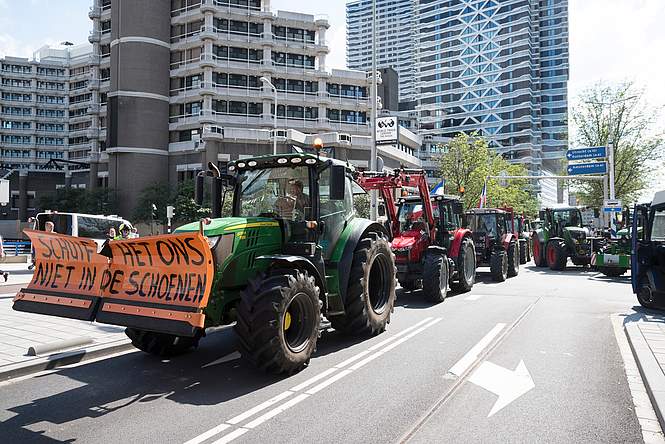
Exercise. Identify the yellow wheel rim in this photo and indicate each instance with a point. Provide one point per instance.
(287, 321)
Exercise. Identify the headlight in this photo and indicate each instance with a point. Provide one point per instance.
(222, 247)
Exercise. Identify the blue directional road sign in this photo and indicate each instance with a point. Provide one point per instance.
(587, 168)
(596, 152)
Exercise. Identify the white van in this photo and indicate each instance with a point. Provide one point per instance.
(90, 226)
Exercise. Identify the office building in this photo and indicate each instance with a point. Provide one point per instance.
(496, 67)
(395, 40)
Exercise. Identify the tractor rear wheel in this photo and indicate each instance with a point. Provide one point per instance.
(161, 344)
(435, 277)
(499, 266)
(645, 297)
(278, 320)
(513, 259)
(556, 255)
(524, 251)
(538, 253)
(370, 296)
(466, 267)
(527, 248)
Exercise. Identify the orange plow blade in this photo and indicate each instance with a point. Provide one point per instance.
(159, 283)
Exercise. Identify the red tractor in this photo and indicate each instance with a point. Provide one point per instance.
(518, 225)
(431, 249)
(496, 246)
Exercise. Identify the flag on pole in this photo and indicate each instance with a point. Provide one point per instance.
(438, 189)
(483, 196)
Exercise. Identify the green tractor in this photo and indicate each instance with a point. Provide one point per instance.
(294, 259)
(613, 257)
(562, 236)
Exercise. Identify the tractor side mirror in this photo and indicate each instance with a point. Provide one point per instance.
(382, 210)
(198, 189)
(337, 182)
(458, 207)
(228, 181)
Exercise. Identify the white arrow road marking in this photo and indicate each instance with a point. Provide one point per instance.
(507, 384)
(228, 358)
(472, 355)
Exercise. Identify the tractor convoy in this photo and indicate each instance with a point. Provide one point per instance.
(294, 259)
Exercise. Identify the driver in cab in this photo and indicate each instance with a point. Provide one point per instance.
(295, 202)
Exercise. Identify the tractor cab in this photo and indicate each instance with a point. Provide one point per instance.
(648, 252)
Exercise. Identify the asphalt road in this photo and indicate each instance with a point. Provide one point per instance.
(533, 359)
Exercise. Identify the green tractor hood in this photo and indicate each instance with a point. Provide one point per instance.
(218, 227)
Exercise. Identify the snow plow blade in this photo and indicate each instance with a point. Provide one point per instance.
(159, 283)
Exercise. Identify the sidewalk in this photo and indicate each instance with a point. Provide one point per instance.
(19, 331)
(646, 334)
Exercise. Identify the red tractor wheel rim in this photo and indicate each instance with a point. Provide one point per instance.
(551, 255)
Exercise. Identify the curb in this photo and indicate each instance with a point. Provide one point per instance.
(652, 374)
(54, 361)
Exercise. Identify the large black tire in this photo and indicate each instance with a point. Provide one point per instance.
(645, 297)
(499, 266)
(527, 248)
(370, 296)
(278, 320)
(466, 267)
(435, 277)
(612, 271)
(538, 252)
(556, 255)
(161, 344)
(513, 259)
(524, 250)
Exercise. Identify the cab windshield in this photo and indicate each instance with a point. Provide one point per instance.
(281, 193)
(568, 218)
(412, 216)
(658, 230)
(483, 223)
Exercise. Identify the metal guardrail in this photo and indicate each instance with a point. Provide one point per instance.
(17, 247)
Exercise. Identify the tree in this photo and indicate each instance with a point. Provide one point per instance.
(158, 194)
(186, 209)
(361, 204)
(467, 162)
(79, 200)
(638, 149)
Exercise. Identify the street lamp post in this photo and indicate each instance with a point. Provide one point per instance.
(373, 111)
(274, 125)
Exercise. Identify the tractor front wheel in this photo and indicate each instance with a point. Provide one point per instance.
(527, 248)
(524, 251)
(370, 296)
(161, 344)
(645, 297)
(466, 267)
(278, 320)
(513, 259)
(538, 253)
(435, 277)
(499, 266)
(408, 284)
(556, 255)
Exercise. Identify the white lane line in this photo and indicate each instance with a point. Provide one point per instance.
(209, 434)
(253, 411)
(397, 338)
(473, 297)
(470, 357)
(231, 436)
(393, 345)
(327, 382)
(318, 377)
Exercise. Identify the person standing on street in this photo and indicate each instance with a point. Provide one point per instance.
(3, 254)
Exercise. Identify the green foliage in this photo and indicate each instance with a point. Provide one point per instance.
(181, 197)
(466, 163)
(361, 205)
(186, 209)
(158, 194)
(638, 148)
(79, 200)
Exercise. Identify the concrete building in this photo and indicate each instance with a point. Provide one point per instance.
(186, 89)
(396, 40)
(496, 67)
(47, 106)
